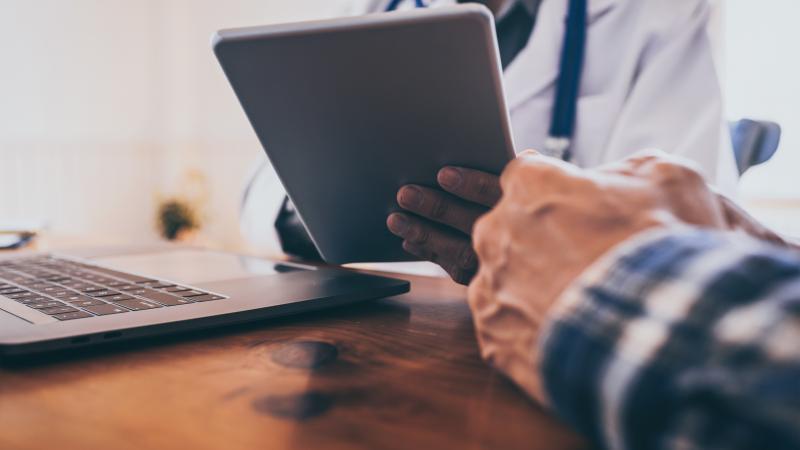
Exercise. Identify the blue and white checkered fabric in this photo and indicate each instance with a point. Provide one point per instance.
(687, 340)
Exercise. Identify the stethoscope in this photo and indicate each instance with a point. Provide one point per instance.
(562, 125)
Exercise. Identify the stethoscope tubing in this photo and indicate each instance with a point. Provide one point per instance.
(394, 4)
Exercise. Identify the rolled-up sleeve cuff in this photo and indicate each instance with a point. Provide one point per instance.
(586, 329)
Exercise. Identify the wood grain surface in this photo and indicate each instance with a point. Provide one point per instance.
(401, 373)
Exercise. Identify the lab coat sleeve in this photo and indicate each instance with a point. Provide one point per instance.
(676, 98)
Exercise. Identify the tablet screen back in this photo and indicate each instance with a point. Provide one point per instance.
(349, 110)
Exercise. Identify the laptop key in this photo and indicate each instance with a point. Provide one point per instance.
(57, 279)
(103, 280)
(92, 288)
(207, 298)
(63, 293)
(138, 304)
(176, 289)
(21, 295)
(58, 310)
(74, 296)
(15, 290)
(160, 285)
(35, 300)
(117, 298)
(72, 315)
(105, 309)
(190, 293)
(45, 305)
(50, 290)
(87, 302)
(104, 293)
(163, 298)
(18, 279)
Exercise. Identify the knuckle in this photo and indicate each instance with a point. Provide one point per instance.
(489, 354)
(692, 175)
(466, 257)
(646, 156)
(520, 167)
(488, 189)
(483, 186)
(537, 174)
(440, 208)
(419, 235)
(671, 173)
(413, 249)
(460, 276)
(664, 168)
(642, 162)
(542, 179)
(423, 235)
(482, 232)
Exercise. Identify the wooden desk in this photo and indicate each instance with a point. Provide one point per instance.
(401, 373)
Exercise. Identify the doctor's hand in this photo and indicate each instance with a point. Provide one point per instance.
(437, 224)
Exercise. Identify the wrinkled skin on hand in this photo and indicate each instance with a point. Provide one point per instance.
(554, 220)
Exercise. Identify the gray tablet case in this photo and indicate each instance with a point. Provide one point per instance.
(348, 110)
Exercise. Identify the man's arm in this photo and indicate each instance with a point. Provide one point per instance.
(680, 340)
(628, 300)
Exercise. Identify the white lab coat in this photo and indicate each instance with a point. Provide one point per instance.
(649, 81)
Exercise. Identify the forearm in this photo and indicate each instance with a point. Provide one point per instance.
(678, 338)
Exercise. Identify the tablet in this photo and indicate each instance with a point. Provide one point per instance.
(349, 110)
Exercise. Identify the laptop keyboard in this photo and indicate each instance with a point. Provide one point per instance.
(68, 290)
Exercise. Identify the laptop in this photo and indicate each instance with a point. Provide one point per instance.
(51, 302)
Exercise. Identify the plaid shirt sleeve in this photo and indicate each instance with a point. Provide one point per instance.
(687, 340)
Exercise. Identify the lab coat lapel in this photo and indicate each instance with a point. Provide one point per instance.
(536, 67)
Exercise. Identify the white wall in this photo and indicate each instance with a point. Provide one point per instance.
(763, 81)
(76, 87)
(105, 105)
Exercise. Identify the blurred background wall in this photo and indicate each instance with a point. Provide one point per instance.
(762, 80)
(106, 106)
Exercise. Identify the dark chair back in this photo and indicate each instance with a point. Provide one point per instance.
(754, 142)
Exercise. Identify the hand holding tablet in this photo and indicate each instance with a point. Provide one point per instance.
(438, 224)
(351, 110)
